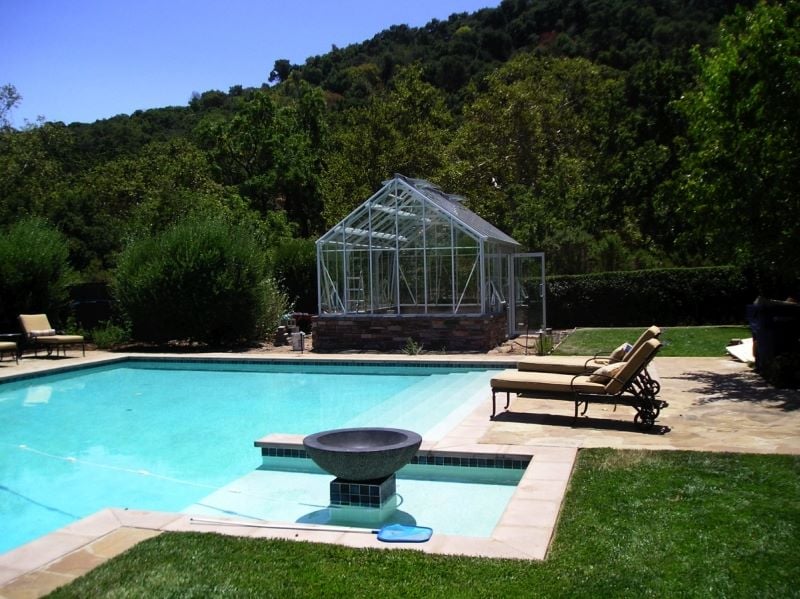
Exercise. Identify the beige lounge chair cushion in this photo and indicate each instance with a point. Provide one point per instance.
(560, 364)
(7, 346)
(652, 332)
(34, 322)
(639, 358)
(543, 382)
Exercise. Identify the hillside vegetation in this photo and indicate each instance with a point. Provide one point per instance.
(610, 134)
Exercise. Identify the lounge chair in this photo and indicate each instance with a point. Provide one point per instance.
(584, 365)
(9, 346)
(39, 334)
(622, 383)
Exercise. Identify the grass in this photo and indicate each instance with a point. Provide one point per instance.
(634, 523)
(678, 341)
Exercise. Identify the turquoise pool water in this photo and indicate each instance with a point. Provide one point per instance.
(165, 435)
(451, 500)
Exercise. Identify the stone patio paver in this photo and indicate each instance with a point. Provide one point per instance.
(715, 404)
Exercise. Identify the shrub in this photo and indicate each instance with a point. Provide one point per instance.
(108, 334)
(34, 271)
(202, 280)
(412, 348)
(296, 272)
(667, 297)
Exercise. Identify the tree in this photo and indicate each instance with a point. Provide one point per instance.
(31, 170)
(537, 153)
(271, 151)
(403, 130)
(741, 171)
(281, 70)
(9, 98)
(134, 196)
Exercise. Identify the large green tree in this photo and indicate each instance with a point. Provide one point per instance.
(31, 171)
(739, 178)
(541, 155)
(403, 130)
(134, 196)
(271, 152)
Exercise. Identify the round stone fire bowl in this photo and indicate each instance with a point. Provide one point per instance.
(362, 453)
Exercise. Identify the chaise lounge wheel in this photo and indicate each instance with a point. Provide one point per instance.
(644, 421)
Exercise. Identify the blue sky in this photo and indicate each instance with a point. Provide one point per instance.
(83, 60)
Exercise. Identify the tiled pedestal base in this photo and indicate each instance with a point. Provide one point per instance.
(369, 493)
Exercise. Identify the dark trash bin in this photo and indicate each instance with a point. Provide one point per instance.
(776, 330)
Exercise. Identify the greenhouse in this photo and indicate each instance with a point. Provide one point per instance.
(411, 250)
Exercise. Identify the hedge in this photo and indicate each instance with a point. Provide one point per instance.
(667, 297)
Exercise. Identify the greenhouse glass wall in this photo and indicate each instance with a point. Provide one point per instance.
(412, 249)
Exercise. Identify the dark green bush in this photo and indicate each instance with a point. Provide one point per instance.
(296, 272)
(202, 280)
(108, 334)
(667, 297)
(34, 272)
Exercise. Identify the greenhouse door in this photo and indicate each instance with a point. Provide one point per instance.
(528, 307)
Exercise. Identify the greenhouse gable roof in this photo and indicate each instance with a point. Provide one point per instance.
(451, 204)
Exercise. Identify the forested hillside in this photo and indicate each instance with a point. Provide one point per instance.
(610, 134)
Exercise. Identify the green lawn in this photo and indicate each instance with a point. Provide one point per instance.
(634, 523)
(678, 341)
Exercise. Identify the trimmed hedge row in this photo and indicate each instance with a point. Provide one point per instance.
(667, 297)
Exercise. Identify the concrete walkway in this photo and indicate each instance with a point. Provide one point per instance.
(716, 404)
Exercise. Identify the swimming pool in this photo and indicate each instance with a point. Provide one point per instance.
(162, 435)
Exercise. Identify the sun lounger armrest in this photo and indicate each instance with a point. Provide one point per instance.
(574, 378)
(598, 359)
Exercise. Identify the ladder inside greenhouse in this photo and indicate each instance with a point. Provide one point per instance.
(356, 300)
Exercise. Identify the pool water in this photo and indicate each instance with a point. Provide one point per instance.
(451, 500)
(164, 435)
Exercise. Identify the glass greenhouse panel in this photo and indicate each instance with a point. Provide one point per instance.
(412, 281)
(413, 249)
(332, 278)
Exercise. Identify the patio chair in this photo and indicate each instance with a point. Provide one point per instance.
(581, 364)
(620, 383)
(39, 334)
(9, 346)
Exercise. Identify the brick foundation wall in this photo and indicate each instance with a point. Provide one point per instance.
(468, 332)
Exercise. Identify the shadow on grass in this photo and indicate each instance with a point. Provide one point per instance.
(583, 422)
(740, 387)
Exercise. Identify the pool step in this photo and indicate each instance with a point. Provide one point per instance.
(447, 395)
(388, 412)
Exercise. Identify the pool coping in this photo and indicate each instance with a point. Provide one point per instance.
(524, 531)
(46, 366)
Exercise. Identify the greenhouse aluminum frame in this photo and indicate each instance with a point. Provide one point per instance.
(413, 249)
